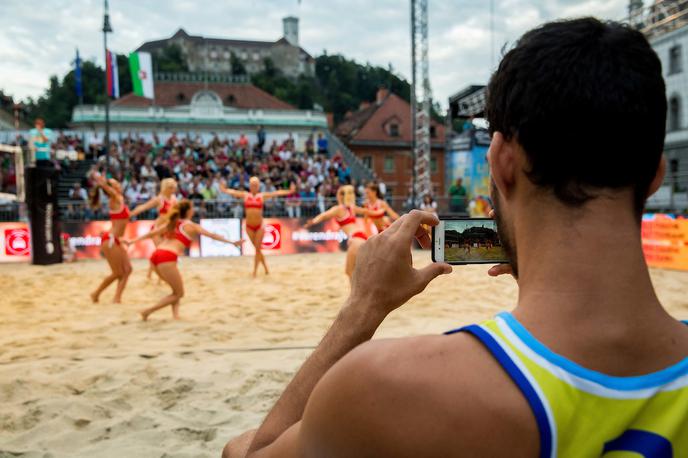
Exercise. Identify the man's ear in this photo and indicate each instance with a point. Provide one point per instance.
(659, 177)
(503, 163)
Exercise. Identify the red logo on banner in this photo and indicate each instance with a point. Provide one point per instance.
(272, 238)
(17, 242)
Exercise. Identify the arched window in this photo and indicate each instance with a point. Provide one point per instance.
(674, 113)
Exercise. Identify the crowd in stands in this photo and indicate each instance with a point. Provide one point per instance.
(200, 167)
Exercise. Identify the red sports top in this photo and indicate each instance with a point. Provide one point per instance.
(180, 235)
(121, 214)
(376, 209)
(253, 200)
(166, 205)
(350, 217)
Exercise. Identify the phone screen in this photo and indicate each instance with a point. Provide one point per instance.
(467, 241)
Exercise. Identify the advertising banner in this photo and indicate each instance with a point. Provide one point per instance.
(85, 239)
(229, 228)
(288, 236)
(665, 241)
(15, 242)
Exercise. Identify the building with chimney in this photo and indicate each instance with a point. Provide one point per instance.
(380, 134)
(214, 55)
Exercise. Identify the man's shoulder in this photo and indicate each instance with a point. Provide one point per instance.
(418, 395)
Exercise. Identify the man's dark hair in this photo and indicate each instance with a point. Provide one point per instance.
(586, 101)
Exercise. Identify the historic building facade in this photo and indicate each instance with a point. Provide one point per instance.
(204, 54)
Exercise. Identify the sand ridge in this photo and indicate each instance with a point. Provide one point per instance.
(91, 380)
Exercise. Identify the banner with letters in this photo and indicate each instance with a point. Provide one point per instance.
(289, 236)
(665, 240)
(281, 236)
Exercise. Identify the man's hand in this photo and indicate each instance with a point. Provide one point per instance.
(384, 277)
(499, 269)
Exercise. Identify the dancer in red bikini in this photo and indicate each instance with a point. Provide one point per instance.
(344, 214)
(378, 209)
(177, 231)
(163, 202)
(253, 208)
(111, 248)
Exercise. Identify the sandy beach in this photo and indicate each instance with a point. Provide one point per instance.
(91, 380)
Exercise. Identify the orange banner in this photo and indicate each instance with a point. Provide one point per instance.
(665, 241)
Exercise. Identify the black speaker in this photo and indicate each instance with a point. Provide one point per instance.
(44, 215)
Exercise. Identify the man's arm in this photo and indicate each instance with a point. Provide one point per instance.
(378, 287)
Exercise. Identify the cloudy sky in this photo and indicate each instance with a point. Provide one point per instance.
(39, 38)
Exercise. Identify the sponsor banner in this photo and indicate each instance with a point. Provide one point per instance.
(282, 236)
(288, 236)
(665, 241)
(85, 239)
(15, 242)
(229, 228)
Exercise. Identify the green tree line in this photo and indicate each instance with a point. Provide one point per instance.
(339, 85)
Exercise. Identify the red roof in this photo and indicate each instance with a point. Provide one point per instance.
(170, 94)
(372, 123)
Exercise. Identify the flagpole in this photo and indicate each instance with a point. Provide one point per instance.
(106, 141)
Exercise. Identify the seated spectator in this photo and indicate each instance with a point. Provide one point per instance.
(78, 193)
(322, 144)
(429, 204)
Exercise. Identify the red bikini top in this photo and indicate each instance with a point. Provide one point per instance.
(350, 217)
(122, 214)
(253, 201)
(376, 208)
(182, 236)
(166, 206)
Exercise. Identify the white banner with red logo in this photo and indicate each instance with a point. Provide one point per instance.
(15, 242)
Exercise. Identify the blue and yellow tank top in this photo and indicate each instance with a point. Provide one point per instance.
(583, 413)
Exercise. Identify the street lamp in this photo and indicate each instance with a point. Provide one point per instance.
(106, 28)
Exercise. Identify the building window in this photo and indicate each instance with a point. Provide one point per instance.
(674, 113)
(433, 132)
(368, 161)
(394, 130)
(256, 56)
(181, 97)
(433, 165)
(231, 100)
(389, 164)
(675, 61)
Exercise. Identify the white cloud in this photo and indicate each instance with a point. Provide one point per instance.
(34, 46)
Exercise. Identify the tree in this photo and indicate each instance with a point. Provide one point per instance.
(58, 101)
(170, 59)
(237, 65)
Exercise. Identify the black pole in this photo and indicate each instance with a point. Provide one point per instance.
(414, 107)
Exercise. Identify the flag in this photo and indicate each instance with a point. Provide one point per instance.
(141, 67)
(77, 76)
(112, 76)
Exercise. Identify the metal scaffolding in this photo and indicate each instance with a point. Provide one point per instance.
(421, 99)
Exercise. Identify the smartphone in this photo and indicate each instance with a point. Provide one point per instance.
(467, 241)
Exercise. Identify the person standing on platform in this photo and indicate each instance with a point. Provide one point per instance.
(40, 141)
(457, 197)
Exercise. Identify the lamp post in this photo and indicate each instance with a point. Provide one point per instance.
(106, 141)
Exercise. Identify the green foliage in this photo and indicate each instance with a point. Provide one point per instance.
(237, 66)
(340, 84)
(58, 101)
(170, 59)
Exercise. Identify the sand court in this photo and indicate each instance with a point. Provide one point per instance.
(91, 380)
